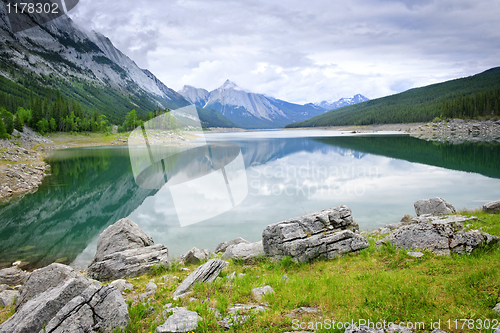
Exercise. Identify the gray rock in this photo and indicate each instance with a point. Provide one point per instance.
(237, 320)
(122, 284)
(393, 328)
(303, 310)
(492, 207)
(147, 294)
(38, 311)
(194, 256)
(497, 308)
(98, 308)
(8, 297)
(223, 246)
(13, 276)
(5, 287)
(434, 206)
(151, 286)
(181, 320)
(128, 263)
(243, 309)
(231, 276)
(439, 235)
(415, 254)
(120, 236)
(362, 329)
(329, 233)
(45, 278)
(407, 218)
(257, 293)
(244, 251)
(204, 273)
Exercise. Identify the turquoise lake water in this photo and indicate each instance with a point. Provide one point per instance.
(288, 174)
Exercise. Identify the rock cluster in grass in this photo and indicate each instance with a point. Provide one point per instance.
(432, 231)
(58, 299)
(328, 234)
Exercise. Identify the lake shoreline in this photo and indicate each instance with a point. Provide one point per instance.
(23, 166)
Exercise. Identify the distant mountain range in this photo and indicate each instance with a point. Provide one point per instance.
(472, 97)
(252, 110)
(333, 104)
(86, 67)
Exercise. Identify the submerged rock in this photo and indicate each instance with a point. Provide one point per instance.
(434, 206)
(204, 273)
(244, 251)
(329, 233)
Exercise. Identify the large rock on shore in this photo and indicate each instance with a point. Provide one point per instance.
(492, 207)
(45, 278)
(244, 251)
(194, 256)
(128, 263)
(125, 250)
(97, 309)
(37, 312)
(122, 235)
(224, 245)
(13, 276)
(434, 206)
(441, 235)
(204, 273)
(329, 233)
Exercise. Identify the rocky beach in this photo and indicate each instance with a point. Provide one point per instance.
(131, 272)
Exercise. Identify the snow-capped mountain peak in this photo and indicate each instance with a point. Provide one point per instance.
(345, 101)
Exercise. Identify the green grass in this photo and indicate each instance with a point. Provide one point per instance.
(377, 284)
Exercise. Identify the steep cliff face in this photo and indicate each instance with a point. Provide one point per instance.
(64, 56)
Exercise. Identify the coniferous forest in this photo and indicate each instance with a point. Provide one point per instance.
(474, 97)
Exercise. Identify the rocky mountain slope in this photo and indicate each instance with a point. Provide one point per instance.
(83, 65)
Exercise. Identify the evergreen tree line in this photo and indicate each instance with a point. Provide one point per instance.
(484, 104)
(50, 114)
(132, 121)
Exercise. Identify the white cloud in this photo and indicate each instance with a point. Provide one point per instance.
(302, 51)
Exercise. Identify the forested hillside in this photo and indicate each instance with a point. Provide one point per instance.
(476, 96)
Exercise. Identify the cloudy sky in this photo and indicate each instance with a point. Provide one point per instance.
(302, 51)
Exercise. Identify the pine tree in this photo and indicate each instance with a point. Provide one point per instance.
(3, 131)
